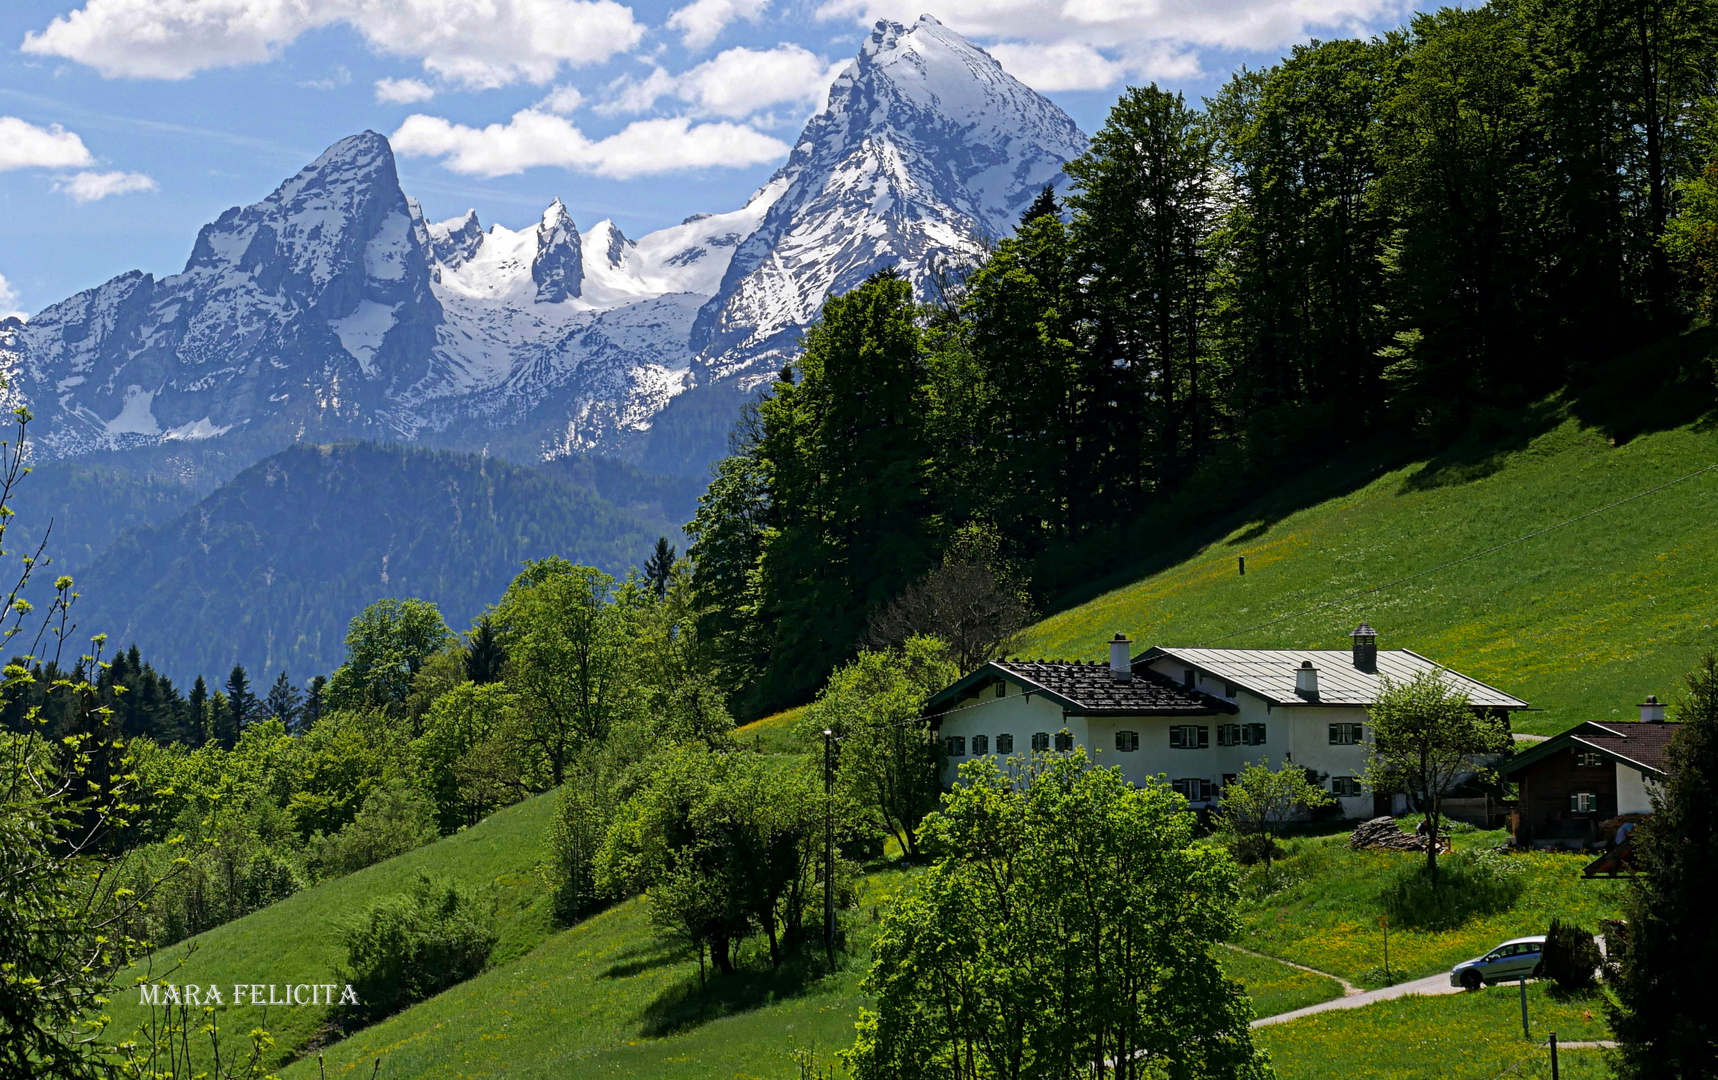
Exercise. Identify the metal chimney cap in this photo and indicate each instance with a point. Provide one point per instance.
(1652, 699)
(1120, 637)
(1306, 665)
(1363, 630)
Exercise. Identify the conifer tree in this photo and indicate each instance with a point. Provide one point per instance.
(283, 702)
(311, 711)
(241, 702)
(1665, 998)
(1044, 205)
(660, 567)
(484, 656)
(197, 704)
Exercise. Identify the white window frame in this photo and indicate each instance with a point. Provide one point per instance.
(1127, 741)
(955, 745)
(1005, 743)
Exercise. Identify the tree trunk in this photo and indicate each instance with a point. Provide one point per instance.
(1432, 839)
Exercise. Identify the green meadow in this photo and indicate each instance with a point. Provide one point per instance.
(1583, 622)
(294, 941)
(1455, 1037)
(1320, 906)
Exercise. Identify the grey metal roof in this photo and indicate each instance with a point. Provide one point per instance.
(1270, 673)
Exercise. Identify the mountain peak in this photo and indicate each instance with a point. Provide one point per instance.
(927, 149)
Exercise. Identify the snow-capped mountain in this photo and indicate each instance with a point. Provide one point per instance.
(927, 148)
(333, 308)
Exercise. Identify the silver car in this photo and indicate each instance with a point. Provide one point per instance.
(1515, 959)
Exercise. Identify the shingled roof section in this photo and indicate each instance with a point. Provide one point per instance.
(1641, 743)
(1089, 688)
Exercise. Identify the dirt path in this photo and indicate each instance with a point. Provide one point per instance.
(1430, 986)
(1348, 988)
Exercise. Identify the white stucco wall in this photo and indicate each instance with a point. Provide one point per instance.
(1632, 791)
(1299, 732)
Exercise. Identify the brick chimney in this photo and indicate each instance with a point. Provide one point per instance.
(1652, 710)
(1365, 648)
(1121, 658)
(1306, 681)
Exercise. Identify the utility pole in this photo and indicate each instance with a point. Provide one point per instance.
(829, 845)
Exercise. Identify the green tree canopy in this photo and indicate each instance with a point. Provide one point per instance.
(1665, 1000)
(386, 645)
(1066, 929)
(1425, 737)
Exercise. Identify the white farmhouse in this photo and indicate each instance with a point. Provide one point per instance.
(1195, 716)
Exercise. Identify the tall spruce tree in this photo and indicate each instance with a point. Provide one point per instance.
(484, 656)
(660, 567)
(284, 702)
(1665, 1011)
(845, 447)
(1144, 207)
(1460, 179)
(197, 706)
(242, 704)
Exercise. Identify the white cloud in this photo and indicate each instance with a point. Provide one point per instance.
(24, 145)
(740, 82)
(403, 91)
(1064, 65)
(9, 301)
(736, 83)
(340, 76)
(477, 43)
(563, 100)
(701, 21)
(534, 138)
(1073, 44)
(631, 95)
(91, 186)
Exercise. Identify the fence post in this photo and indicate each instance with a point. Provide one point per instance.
(1553, 1055)
(1525, 1034)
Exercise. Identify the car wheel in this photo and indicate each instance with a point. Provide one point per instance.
(1470, 980)
(1539, 970)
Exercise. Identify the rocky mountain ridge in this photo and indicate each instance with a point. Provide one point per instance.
(333, 309)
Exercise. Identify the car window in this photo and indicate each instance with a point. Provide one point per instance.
(1532, 947)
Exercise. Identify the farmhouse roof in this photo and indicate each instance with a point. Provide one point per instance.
(1088, 689)
(1270, 674)
(1639, 744)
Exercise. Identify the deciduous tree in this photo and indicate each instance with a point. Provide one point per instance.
(1066, 929)
(1425, 736)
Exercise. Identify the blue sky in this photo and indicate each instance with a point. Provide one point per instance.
(125, 125)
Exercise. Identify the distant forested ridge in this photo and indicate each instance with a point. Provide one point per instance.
(1398, 240)
(268, 570)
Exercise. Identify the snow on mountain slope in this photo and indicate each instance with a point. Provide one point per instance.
(332, 308)
(927, 149)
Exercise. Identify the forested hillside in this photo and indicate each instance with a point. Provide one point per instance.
(268, 569)
(1394, 243)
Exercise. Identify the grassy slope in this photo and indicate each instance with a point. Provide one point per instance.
(603, 999)
(1459, 1037)
(292, 941)
(1583, 622)
(1320, 908)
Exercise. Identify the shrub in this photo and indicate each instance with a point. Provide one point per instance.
(395, 819)
(411, 946)
(1467, 885)
(1571, 956)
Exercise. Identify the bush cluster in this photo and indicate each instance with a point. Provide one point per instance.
(411, 946)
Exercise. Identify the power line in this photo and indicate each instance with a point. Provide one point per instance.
(1457, 562)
